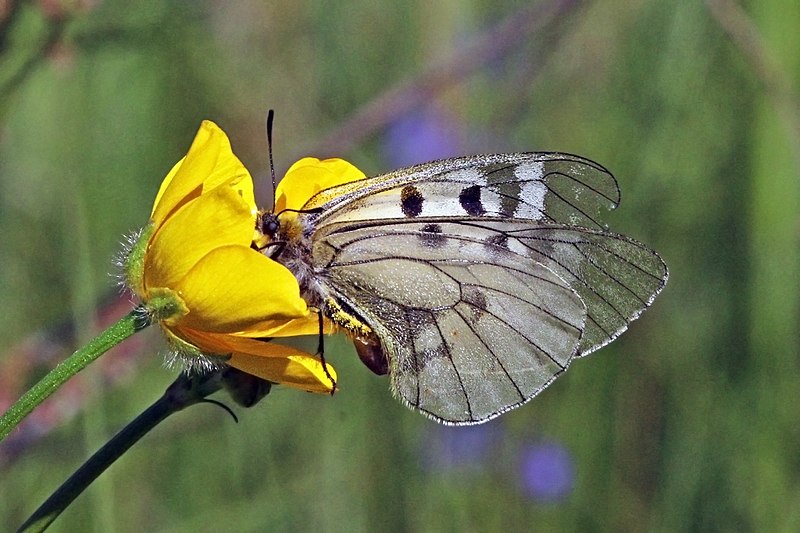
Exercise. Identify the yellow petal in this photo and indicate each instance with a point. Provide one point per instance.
(234, 287)
(294, 369)
(218, 218)
(290, 328)
(273, 362)
(208, 164)
(205, 342)
(296, 327)
(308, 176)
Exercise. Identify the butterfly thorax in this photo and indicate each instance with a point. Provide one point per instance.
(287, 239)
(293, 250)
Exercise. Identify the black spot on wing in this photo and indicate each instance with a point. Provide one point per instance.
(498, 239)
(470, 200)
(430, 355)
(431, 235)
(431, 228)
(411, 201)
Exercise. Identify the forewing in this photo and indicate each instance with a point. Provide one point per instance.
(548, 187)
(471, 329)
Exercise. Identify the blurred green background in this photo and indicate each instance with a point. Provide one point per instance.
(687, 422)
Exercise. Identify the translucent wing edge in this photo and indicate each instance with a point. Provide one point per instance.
(648, 302)
(485, 419)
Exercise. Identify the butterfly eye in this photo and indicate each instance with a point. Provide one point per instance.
(267, 224)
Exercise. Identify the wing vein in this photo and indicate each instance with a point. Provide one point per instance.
(489, 348)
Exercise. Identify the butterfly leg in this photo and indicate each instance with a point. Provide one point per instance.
(274, 253)
(321, 353)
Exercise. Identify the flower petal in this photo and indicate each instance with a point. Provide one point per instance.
(273, 362)
(234, 287)
(290, 328)
(220, 343)
(209, 163)
(297, 369)
(218, 218)
(308, 176)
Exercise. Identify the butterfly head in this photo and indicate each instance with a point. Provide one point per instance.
(267, 225)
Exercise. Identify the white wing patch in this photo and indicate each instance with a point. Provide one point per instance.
(532, 191)
(470, 176)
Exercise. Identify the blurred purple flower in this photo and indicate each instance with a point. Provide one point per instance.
(451, 448)
(547, 472)
(422, 135)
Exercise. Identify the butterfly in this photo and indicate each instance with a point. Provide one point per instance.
(473, 282)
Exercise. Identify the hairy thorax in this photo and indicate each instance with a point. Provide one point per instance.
(293, 250)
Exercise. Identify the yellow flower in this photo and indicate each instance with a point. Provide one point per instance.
(308, 176)
(194, 269)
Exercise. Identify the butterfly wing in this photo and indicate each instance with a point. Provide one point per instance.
(482, 276)
(615, 276)
(548, 187)
(471, 329)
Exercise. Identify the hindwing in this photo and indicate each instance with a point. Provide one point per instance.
(470, 328)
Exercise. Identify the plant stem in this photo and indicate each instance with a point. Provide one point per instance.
(186, 390)
(127, 326)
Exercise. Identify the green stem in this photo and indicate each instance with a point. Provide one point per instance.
(127, 326)
(186, 390)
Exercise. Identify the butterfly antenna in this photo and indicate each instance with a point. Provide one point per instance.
(270, 118)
